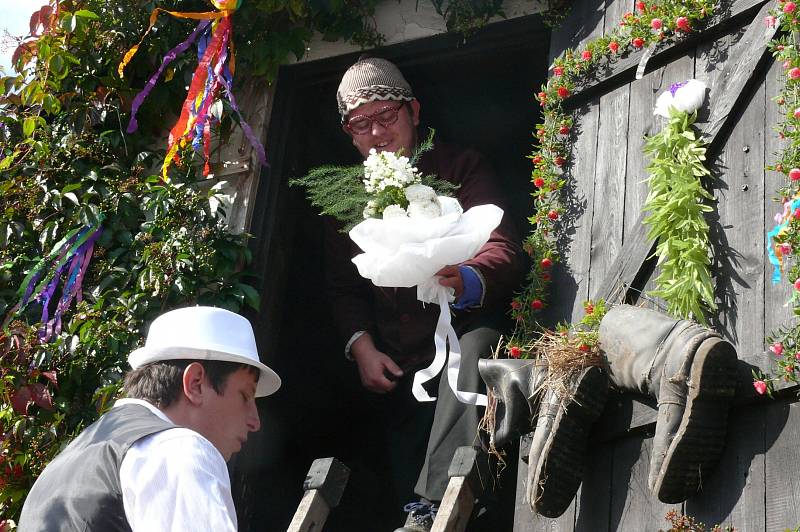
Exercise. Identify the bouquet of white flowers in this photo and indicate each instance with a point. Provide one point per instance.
(417, 234)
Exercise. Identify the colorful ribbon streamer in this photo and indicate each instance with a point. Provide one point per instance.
(214, 73)
(73, 253)
(774, 251)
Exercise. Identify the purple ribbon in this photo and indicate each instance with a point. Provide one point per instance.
(171, 55)
(262, 157)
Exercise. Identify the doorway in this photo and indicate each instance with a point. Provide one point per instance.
(476, 93)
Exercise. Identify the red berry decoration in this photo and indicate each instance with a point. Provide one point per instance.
(559, 161)
(564, 130)
(789, 7)
(588, 308)
(583, 348)
(516, 305)
(563, 92)
(553, 214)
(682, 23)
(546, 263)
(538, 182)
(613, 46)
(586, 55)
(537, 304)
(540, 132)
(514, 351)
(638, 42)
(760, 386)
(797, 284)
(542, 96)
(641, 6)
(794, 174)
(656, 23)
(558, 71)
(536, 159)
(545, 276)
(794, 73)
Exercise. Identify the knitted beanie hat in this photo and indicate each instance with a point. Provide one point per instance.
(369, 80)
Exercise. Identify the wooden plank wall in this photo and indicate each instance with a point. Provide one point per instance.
(756, 487)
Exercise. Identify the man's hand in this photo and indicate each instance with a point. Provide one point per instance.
(450, 276)
(374, 367)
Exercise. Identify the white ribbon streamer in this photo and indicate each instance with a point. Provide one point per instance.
(444, 333)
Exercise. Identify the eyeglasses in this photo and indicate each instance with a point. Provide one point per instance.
(362, 124)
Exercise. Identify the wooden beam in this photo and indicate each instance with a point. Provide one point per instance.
(468, 472)
(728, 89)
(624, 69)
(323, 487)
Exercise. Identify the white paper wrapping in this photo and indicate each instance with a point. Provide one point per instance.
(406, 252)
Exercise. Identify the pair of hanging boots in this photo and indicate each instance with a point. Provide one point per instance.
(689, 370)
(558, 449)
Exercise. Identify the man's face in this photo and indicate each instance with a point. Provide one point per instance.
(232, 414)
(401, 134)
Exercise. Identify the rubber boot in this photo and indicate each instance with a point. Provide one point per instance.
(691, 372)
(516, 384)
(559, 446)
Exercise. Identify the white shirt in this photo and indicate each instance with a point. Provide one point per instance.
(175, 480)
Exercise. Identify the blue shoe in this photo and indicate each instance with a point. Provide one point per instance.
(420, 517)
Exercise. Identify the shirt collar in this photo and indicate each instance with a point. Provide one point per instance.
(154, 409)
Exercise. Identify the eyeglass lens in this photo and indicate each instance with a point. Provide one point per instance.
(363, 123)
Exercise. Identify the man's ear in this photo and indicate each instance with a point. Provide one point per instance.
(194, 383)
(415, 111)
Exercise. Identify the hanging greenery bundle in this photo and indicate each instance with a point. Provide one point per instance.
(676, 203)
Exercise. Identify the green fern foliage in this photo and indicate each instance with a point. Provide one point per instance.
(676, 203)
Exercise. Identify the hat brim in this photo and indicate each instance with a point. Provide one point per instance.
(268, 381)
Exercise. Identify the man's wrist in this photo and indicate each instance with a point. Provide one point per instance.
(348, 354)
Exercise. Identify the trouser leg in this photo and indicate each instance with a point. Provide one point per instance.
(455, 424)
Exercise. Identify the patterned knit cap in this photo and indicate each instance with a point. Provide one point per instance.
(369, 80)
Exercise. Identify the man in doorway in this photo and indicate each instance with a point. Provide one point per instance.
(156, 460)
(387, 332)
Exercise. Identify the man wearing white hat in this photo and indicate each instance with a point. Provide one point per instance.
(156, 460)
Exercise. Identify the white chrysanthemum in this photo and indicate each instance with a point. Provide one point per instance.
(369, 210)
(425, 209)
(394, 211)
(419, 192)
(687, 96)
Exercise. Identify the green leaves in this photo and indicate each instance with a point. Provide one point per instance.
(675, 203)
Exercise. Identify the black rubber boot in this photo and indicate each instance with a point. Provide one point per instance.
(691, 372)
(516, 384)
(559, 446)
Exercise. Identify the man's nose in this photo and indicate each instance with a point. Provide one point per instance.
(377, 128)
(253, 420)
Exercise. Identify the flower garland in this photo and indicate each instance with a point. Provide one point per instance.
(783, 242)
(653, 22)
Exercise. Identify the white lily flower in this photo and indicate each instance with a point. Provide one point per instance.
(687, 96)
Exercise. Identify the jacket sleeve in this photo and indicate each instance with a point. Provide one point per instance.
(350, 295)
(501, 262)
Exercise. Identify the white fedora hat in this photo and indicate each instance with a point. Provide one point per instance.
(204, 333)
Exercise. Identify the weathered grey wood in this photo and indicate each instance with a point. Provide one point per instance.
(572, 276)
(727, 89)
(525, 520)
(456, 507)
(594, 497)
(624, 69)
(738, 188)
(782, 493)
(609, 186)
(311, 513)
(733, 494)
(633, 507)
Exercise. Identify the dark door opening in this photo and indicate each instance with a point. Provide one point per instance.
(476, 93)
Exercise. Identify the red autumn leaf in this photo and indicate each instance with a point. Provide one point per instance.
(24, 48)
(41, 395)
(21, 399)
(51, 376)
(34, 23)
(41, 18)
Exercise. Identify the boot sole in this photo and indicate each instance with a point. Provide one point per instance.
(700, 439)
(560, 466)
